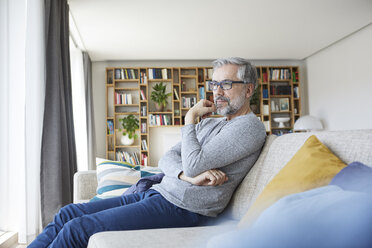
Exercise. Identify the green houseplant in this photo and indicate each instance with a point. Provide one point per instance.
(159, 96)
(129, 123)
(255, 100)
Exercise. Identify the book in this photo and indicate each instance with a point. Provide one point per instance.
(143, 97)
(110, 127)
(176, 94)
(164, 74)
(201, 93)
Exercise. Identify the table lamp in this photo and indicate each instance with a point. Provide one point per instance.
(307, 123)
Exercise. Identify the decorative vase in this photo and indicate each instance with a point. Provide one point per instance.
(126, 141)
(159, 107)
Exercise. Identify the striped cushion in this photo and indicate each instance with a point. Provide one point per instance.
(114, 178)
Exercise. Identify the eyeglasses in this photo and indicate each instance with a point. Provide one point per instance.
(225, 84)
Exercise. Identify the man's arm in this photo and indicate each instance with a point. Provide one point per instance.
(231, 144)
(171, 162)
(207, 178)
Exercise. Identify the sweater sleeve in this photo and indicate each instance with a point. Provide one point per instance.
(171, 163)
(234, 142)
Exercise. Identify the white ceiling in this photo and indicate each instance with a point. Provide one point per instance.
(208, 29)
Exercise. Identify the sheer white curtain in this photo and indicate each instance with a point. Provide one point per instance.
(79, 106)
(22, 106)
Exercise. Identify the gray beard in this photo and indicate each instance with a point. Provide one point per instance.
(232, 106)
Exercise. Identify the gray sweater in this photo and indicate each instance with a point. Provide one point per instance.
(215, 143)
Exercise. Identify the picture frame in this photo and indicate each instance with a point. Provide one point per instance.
(283, 104)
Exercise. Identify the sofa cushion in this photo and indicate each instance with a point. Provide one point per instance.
(314, 165)
(188, 237)
(114, 178)
(355, 177)
(243, 196)
(348, 145)
(323, 217)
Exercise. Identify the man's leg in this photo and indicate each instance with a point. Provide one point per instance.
(71, 211)
(152, 212)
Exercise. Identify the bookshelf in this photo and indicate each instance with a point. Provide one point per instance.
(128, 91)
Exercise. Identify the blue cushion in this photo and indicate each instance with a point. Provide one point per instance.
(354, 177)
(337, 215)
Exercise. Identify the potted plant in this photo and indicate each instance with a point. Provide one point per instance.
(159, 96)
(130, 124)
(255, 100)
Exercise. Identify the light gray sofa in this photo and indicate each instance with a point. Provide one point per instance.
(349, 146)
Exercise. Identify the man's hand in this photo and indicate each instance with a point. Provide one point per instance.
(208, 178)
(203, 108)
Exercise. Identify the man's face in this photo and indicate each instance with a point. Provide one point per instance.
(228, 102)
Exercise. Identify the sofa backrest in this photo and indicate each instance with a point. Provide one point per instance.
(349, 146)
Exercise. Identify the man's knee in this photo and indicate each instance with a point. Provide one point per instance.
(65, 214)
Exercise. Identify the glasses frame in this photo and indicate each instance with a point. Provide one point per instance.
(214, 84)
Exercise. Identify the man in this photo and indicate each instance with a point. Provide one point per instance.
(201, 172)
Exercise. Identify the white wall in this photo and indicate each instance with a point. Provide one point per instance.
(160, 138)
(340, 83)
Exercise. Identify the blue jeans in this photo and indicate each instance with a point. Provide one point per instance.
(75, 223)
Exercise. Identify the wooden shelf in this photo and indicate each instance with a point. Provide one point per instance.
(135, 146)
(280, 112)
(160, 80)
(126, 89)
(126, 113)
(189, 76)
(188, 92)
(160, 113)
(125, 80)
(161, 126)
(126, 105)
(280, 96)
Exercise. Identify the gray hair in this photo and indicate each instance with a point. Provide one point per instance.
(246, 72)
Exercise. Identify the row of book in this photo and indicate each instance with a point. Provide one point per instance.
(124, 156)
(280, 90)
(160, 120)
(123, 98)
(188, 102)
(158, 73)
(143, 127)
(143, 110)
(144, 145)
(143, 78)
(280, 74)
(125, 74)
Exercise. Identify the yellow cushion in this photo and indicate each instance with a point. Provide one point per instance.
(314, 165)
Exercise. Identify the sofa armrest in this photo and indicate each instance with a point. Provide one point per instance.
(85, 185)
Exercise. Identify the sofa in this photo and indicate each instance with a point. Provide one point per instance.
(349, 146)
